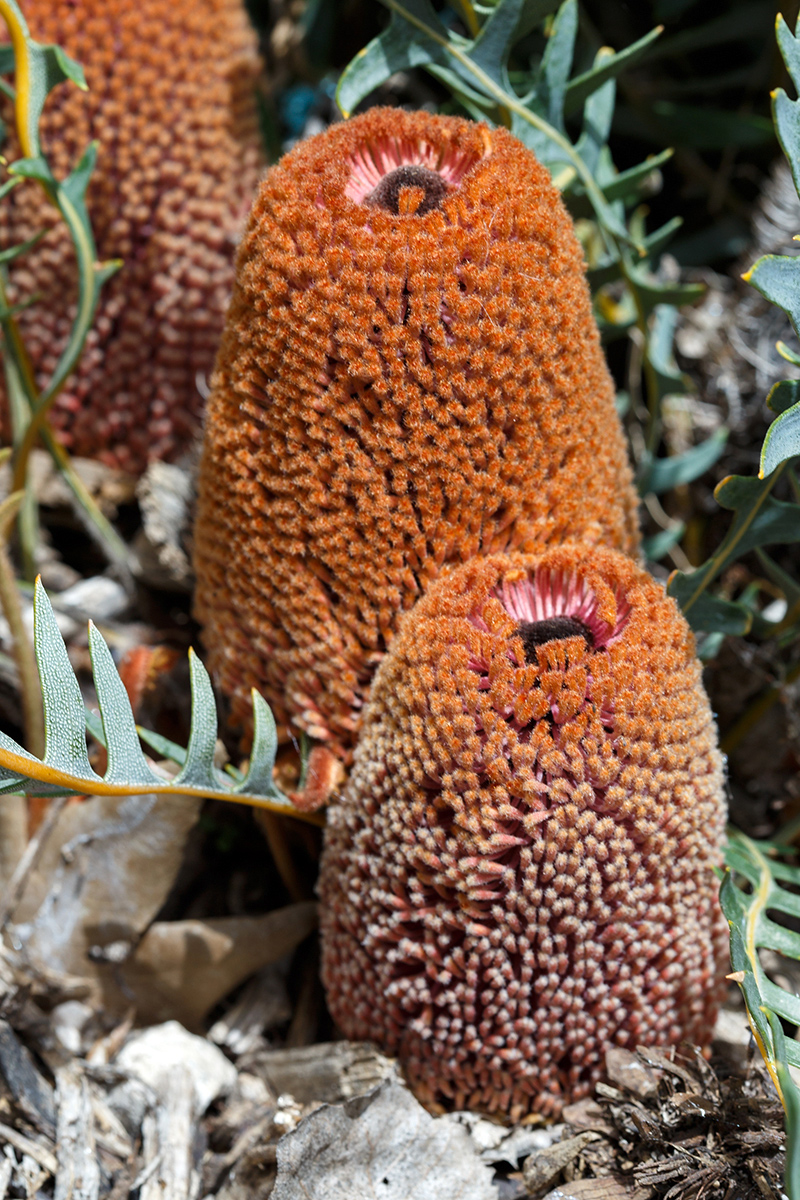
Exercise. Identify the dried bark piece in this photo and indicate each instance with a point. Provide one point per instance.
(78, 1173)
(326, 1072)
(394, 394)
(543, 1167)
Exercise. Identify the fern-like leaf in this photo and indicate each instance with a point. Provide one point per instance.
(65, 767)
(752, 896)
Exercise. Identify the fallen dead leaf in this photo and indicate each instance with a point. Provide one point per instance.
(382, 1144)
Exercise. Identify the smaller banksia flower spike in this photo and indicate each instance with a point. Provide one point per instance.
(172, 102)
(410, 376)
(520, 873)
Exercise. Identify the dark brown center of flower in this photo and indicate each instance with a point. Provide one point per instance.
(550, 629)
(387, 193)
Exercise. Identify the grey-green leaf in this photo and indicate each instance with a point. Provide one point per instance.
(491, 48)
(709, 614)
(782, 441)
(787, 43)
(609, 66)
(198, 770)
(126, 761)
(262, 756)
(64, 714)
(557, 62)
(783, 395)
(660, 474)
(777, 277)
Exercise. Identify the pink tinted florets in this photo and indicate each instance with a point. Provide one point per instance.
(521, 871)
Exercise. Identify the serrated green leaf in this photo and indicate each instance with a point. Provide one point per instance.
(656, 241)
(8, 186)
(66, 770)
(38, 69)
(782, 441)
(490, 50)
(661, 474)
(162, 746)
(759, 520)
(33, 168)
(126, 762)
(402, 46)
(786, 352)
(609, 67)
(533, 13)
(669, 379)
(786, 116)
(653, 293)
(772, 521)
(94, 726)
(64, 714)
(752, 927)
(6, 59)
(262, 755)
(198, 770)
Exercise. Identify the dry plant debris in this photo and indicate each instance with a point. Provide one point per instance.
(670, 1126)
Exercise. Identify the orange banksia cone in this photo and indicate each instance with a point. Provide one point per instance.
(520, 873)
(410, 376)
(172, 102)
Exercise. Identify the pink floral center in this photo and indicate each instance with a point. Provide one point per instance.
(376, 160)
(551, 601)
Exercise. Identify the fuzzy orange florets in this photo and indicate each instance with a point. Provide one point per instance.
(520, 873)
(410, 376)
(172, 101)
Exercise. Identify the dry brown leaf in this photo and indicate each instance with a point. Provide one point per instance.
(384, 1143)
(103, 874)
(181, 969)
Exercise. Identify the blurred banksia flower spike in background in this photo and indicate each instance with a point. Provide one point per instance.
(410, 376)
(172, 102)
(520, 872)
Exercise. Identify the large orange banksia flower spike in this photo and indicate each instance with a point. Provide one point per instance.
(172, 102)
(520, 872)
(410, 376)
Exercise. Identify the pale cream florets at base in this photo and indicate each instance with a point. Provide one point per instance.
(521, 871)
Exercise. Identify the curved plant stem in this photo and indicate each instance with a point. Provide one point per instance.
(30, 691)
(727, 548)
(96, 522)
(32, 768)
